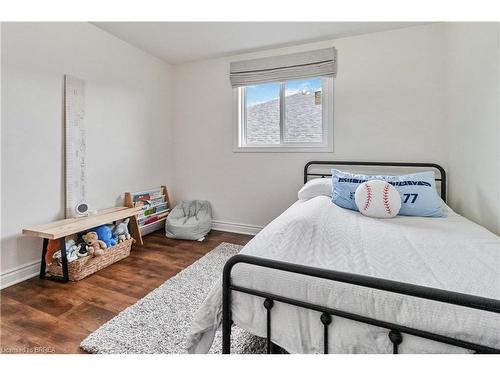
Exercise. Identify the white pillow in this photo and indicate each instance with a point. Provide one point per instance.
(316, 187)
(377, 198)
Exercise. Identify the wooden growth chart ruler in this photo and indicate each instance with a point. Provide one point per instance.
(76, 147)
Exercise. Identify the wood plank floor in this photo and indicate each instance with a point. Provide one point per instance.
(45, 316)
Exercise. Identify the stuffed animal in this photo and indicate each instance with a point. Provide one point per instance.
(53, 246)
(83, 252)
(104, 234)
(120, 231)
(71, 252)
(95, 245)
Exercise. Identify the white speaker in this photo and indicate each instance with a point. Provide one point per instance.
(81, 209)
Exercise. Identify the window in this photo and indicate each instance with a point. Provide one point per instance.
(284, 103)
(289, 116)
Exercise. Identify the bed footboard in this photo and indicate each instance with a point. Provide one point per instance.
(395, 331)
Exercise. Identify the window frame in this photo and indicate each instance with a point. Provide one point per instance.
(239, 142)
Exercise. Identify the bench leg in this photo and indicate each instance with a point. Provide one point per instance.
(43, 265)
(64, 262)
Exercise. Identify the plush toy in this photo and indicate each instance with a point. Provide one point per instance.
(71, 252)
(120, 231)
(52, 247)
(104, 234)
(95, 245)
(83, 252)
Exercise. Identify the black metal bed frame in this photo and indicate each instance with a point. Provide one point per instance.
(395, 331)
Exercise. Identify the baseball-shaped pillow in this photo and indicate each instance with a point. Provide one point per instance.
(377, 198)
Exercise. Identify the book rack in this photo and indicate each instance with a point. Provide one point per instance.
(154, 206)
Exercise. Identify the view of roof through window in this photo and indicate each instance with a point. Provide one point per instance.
(265, 92)
(302, 122)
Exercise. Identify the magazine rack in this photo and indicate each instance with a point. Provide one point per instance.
(154, 207)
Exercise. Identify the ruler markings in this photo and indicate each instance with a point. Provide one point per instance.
(76, 144)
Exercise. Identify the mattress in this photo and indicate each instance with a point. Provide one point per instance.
(450, 253)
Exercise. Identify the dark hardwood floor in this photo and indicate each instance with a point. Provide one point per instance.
(46, 316)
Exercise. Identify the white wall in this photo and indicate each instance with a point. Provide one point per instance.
(127, 117)
(426, 93)
(473, 102)
(388, 105)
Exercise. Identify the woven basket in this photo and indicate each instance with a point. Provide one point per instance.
(83, 267)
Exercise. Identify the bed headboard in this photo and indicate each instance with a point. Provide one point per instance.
(440, 179)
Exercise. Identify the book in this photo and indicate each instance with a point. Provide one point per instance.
(151, 219)
(145, 196)
(157, 209)
(145, 205)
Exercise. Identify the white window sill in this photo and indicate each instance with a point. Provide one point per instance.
(281, 149)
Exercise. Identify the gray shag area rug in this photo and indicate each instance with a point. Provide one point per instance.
(159, 323)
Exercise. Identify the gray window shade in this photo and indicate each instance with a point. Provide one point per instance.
(318, 63)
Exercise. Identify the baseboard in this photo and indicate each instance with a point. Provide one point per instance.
(17, 275)
(236, 227)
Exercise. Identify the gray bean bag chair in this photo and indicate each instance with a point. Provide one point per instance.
(189, 220)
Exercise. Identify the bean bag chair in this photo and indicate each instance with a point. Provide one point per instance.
(189, 220)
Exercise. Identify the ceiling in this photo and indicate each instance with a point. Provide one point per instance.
(179, 42)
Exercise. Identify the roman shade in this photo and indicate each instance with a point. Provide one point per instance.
(317, 63)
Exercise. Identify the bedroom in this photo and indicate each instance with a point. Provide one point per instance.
(223, 119)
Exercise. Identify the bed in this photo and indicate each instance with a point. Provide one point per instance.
(322, 279)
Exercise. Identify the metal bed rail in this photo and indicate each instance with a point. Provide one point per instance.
(395, 330)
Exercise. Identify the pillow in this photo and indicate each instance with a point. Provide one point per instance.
(315, 187)
(377, 198)
(418, 191)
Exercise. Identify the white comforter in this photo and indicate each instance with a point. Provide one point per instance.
(449, 253)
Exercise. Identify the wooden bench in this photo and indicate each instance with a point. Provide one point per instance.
(62, 228)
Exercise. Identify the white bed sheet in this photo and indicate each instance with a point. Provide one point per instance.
(449, 253)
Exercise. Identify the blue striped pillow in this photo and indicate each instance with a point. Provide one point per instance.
(418, 191)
